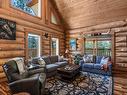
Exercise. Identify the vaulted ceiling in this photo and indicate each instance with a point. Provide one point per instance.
(83, 13)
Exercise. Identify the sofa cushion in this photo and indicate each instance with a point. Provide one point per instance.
(60, 58)
(46, 59)
(60, 64)
(104, 60)
(88, 65)
(88, 58)
(54, 59)
(98, 59)
(98, 66)
(51, 67)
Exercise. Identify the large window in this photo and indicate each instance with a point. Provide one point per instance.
(89, 47)
(53, 18)
(99, 48)
(55, 46)
(104, 48)
(32, 7)
(33, 45)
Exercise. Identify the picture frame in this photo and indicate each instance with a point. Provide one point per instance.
(7, 29)
(73, 44)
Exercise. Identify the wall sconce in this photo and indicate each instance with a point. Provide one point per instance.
(46, 35)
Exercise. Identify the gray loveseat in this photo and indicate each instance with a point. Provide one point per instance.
(52, 63)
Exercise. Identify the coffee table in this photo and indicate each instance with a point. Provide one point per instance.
(68, 72)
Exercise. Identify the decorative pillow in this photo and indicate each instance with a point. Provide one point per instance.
(20, 64)
(88, 58)
(60, 58)
(35, 60)
(105, 67)
(46, 59)
(104, 60)
(54, 59)
(41, 61)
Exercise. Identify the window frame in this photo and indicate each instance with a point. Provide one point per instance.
(95, 46)
(57, 46)
(51, 10)
(39, 47)
(19, 10)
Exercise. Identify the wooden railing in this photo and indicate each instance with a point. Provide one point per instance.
(99, 52)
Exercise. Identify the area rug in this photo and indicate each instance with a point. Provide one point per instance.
(84, 84)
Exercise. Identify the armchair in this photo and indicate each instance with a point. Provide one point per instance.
(30, 81)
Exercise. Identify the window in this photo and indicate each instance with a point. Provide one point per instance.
(53, 18)
(33, 45)
(89, 46)
(99, 48)
(32, 7)
(104, 48)
(55, 46)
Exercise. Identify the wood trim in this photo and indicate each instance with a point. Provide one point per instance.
(26, 46)
(104, 26)
(26, 41)
(10, 6)
(53, 10)
(44, 10)
(47, 11)
(29, 24)
(1, 3)
(11, 13)
(113, 48)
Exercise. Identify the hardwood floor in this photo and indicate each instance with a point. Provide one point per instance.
(4, 89)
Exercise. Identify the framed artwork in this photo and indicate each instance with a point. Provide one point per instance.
(7, 29)
(72, 43)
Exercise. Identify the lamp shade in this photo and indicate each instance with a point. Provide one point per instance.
(67, 51)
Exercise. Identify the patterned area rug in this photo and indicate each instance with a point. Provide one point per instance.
(84, 84)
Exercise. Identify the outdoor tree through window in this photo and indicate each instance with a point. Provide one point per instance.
(33, 45)
(99, 48)
(32, 7)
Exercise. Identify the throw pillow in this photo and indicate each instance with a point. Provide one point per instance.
(46, 59)
(20, 64)
(104, 60)
(88, 58)
(54, 59)
(60, 58)
(105, 67)
(41, 61)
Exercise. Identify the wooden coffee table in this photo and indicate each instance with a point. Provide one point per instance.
(68, 72)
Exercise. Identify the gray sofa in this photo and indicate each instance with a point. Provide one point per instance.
(52, 63)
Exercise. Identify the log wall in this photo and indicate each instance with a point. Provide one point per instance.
(118, 30)
(25, 24)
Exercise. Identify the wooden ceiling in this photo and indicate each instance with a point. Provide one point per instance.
(83, 13)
